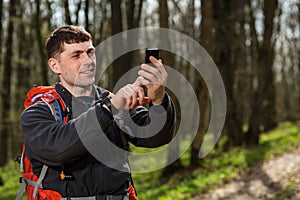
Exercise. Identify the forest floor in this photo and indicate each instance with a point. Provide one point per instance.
(276, 178)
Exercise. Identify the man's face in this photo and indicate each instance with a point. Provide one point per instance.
(76, 65)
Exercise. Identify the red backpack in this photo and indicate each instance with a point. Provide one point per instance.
(30, 182)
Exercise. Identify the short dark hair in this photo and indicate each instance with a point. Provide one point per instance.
(66, 34)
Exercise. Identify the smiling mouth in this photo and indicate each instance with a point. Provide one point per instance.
(90, 71)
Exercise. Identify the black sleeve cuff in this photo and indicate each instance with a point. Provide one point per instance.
(164, 104)
(104, 117)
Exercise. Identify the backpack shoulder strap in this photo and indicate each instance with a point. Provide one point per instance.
(58, 107)
(52, 99)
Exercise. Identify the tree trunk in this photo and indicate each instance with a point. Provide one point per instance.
(67, 12)
(163, 14)
(133, 13)
(86, 14)
(101, 30)
(263, 106)
(298, 101)
(267, 58)
(121, 65)
(206, 41)
(1, 30)
(40, 43)
(130, 11)
(49, 14)
(226, 14)
(6, 84)
(168, 59)
(77, 12)
(22, 84)
(22, 68)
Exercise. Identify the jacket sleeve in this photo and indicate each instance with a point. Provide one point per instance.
(54, 143)
(151, 128)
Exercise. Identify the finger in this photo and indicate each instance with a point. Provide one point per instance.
(153, 59)
(146, 100)
(141, 95)
(128, 101)
(145, 81)
(147, 75)
(134, 101)
(111, 95)
(129, 89)
(138, 81)
(149, 68)
(159, 65)
(156, 62)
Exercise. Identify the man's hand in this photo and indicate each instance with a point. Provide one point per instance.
(129, 97)
(154, 78)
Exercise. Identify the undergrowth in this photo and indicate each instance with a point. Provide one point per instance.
(216, 169)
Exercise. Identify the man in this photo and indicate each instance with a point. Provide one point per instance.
(67, 149)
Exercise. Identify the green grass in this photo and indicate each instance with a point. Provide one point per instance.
(10, 175)
(217, 168)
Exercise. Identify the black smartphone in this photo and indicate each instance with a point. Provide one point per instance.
(151, 52)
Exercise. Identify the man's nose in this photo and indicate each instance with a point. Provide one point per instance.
(86, 58)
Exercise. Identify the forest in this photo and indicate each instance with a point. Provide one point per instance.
(255, 45)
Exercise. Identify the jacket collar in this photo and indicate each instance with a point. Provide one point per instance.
(68, 97)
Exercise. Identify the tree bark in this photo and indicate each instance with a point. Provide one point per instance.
(133, 13)
(22, 68)
(263, 105)
(40, 43)
(173, 149)
(102, 22)
(49, 14)
(130, 10)
(225, 15)
(77, 12)
(1, 30)
(6, 84)
(121, 65)
(86, 14)
(298, 102)
(206, 41)
(67, 12)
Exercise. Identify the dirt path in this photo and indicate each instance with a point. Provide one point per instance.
(277, 178)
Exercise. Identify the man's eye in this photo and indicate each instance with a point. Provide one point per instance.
(91, 53)
(76, 56)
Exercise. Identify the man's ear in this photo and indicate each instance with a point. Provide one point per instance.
(54, 65)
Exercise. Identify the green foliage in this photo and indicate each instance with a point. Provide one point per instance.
(290, 190)
(10, 176)
(217, 168)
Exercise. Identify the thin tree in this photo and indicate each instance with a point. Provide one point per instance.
(40, 42)
(298, 5)
(78, 6)
(264, 97)
(22, 66)
(6, 84)
(1, 27)
(86, 15)
(169, 60)
(67, 12)
(226, 16)
(121, 65)
(49, 14)
(206, 40)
